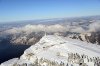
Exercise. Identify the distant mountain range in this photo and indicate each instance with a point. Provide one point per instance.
(29, 32)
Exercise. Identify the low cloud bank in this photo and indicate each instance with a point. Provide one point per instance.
(93, 27)
(37, 28)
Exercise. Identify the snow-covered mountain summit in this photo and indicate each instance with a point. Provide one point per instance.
(54, 50)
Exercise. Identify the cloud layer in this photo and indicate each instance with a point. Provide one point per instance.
(92, 27)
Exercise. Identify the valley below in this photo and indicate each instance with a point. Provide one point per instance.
(11, 51)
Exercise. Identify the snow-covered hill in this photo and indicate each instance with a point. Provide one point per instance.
(90, 37)
(54, 50)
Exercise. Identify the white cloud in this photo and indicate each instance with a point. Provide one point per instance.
(37, 28)
(94, 27)
(78, 29)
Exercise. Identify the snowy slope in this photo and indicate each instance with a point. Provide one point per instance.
(59, 50)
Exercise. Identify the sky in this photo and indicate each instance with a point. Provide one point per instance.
(19, 10)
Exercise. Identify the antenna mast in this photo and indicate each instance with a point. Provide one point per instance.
(45, 30)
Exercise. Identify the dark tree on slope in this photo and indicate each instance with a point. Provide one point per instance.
(36, 62)
(98, 38)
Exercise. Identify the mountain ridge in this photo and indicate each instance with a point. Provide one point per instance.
(59, 49)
